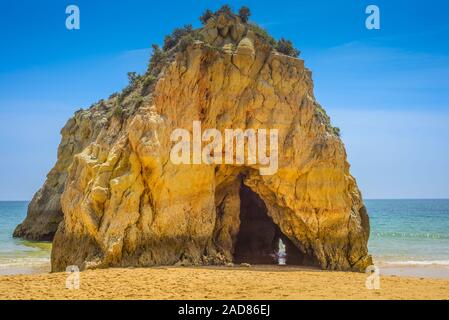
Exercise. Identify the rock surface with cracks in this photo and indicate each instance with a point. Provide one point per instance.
(125, 203)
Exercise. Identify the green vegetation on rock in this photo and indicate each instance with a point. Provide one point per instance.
(244, 14)
(286, 47)
(262, 33)
(172, 40)
(206, 16)
(180, 39)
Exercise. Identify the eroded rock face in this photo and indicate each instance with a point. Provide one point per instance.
(126, 204)
(44, 210)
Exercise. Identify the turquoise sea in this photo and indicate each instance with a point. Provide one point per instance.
(408, 237)
(19, 256)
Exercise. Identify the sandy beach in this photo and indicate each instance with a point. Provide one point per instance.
(261, 282)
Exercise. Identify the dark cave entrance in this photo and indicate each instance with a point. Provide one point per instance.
(259, 240)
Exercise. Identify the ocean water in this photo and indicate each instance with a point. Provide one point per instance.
(19, 256)
(408, 237)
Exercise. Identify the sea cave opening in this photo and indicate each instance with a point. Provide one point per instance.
(260, 240)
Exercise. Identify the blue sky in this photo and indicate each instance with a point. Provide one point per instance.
(388, 89)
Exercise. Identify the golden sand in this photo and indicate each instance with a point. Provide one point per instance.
(219, 283)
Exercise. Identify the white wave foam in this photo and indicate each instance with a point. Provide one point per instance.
(24, 262)
(418, 263)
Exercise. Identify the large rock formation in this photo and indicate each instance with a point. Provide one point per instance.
(125, 203)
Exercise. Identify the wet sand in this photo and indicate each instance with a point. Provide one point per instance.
(261, 282)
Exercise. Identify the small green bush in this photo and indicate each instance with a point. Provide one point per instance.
(173, 39)
(244, 14)
(185, 42)
(286, 47)
(197, 36)
(157, 57)
(225, 9)
(121, 97)
(149, 80)
(189, 39)
(336, 131)
(118, 111)
(133, 78)
(206, 16)
(169, 42)
(262, 33)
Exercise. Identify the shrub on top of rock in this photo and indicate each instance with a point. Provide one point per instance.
(172, 40)
(118, 111)
(286, 47)
(225, 9)
(337, 131)
(244, 14)
(186, 41)
(262, 33)
(156, 57)
(183, 37)
(283, 46)
(206, 16)
(133, 77)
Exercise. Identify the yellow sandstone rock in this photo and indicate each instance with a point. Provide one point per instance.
(126, 204)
